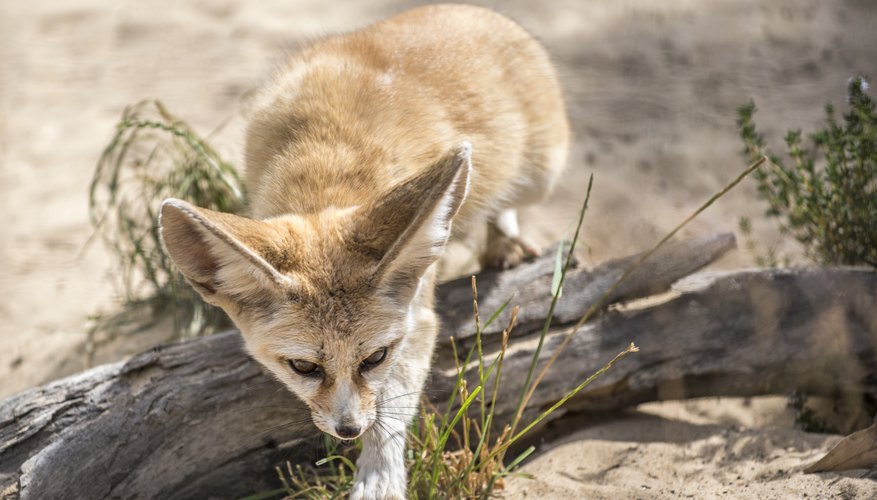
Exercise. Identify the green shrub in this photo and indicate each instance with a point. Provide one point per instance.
(152, 156)
(825, 196)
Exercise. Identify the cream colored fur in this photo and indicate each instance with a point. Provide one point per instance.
(366, 153)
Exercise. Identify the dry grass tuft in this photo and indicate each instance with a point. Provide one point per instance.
(154, 155)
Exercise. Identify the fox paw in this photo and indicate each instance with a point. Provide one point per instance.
(505, 253)
(377, 485)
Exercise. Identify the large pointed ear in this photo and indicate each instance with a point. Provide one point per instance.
(218, 252)
(407, 228)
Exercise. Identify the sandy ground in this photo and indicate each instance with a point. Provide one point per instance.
(711, 448)
(651, 86)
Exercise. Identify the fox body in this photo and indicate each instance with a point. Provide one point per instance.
(365, 155)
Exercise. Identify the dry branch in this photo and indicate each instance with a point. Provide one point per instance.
(199, 419)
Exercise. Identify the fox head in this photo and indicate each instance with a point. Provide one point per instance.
(325, 301)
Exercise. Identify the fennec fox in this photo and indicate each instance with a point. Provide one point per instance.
(361, 155)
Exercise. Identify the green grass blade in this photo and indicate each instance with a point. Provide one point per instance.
(557, 277)
(527, 388)
(497, 313)
(266, 494)
(520, 458)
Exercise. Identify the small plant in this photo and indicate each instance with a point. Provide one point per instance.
(152, 156)
(771, 258)
(459, 453)
(826, 195)
(306, 482)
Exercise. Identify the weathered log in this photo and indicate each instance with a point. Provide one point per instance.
(746, 333)
(190, 420)
(529, 286)
(199, 419)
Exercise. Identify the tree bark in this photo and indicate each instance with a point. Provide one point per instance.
(200, 419)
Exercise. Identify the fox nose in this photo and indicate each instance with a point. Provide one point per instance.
(347, 431)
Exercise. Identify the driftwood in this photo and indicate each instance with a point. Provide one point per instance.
(856, 451)
(199, 419)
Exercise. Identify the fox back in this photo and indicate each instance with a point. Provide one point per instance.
(352, 116)
(364, 155)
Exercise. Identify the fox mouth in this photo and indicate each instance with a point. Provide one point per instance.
(346, 431)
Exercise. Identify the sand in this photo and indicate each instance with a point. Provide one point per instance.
(710, 448)
(651, 86)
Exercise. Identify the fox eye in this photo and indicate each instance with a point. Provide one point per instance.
(305, 368)
(374, 360)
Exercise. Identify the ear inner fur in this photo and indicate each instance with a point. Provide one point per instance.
(199, 220)
(383, 229)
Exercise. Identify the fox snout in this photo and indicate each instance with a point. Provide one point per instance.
(348, 432)
(344, 410)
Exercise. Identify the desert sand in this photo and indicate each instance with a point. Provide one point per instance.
(708, 448)
(652, 89)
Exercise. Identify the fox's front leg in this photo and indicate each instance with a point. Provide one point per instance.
(381, 466)
(380, 470)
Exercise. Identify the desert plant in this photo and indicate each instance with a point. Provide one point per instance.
(154, 155)
(825, 196)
